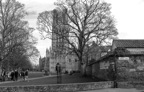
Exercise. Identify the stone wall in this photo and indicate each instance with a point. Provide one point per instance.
(131, 84)
(131, 69)
(128, 68)
(58, 87)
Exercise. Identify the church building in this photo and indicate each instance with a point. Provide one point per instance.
(58, 52)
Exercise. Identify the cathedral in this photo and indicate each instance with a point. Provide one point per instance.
(58, 52)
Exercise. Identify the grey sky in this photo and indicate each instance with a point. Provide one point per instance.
(34, 7)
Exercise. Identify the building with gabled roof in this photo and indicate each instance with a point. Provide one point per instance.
(125, 61)
(132, 45)
(96, 52)
(127, 43)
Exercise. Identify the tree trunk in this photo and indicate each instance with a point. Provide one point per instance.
(84, 69)
(82, 65)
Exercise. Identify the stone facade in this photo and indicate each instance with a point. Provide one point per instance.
(72, 63)
(58, 52)
(41, 63)
(68, 62)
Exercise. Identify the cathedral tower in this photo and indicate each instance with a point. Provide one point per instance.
(59, 33)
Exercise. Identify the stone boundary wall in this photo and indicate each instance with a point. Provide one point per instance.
(131, 84)
(58, 87)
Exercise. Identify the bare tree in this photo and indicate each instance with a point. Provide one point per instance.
(14, 31)
(85, 21)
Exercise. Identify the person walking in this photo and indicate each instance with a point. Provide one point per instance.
(16, 75)
(58, 70)
(3, 74)
(23, 74)
(26, 74)
(9, 75)
(12, 75)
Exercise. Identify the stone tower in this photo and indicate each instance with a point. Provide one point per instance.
(59, 32)
(59, 44)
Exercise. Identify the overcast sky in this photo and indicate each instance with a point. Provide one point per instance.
(36, 7)
(129, 15)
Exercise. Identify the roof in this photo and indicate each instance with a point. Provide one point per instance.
(100, 59)
(129, 43)
(112, 54)
(105, 48)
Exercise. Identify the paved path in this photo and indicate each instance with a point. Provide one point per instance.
(115, 90)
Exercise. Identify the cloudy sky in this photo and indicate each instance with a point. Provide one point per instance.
(129, 15)
(36, 7)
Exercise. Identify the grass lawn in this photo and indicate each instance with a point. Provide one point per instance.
(36, 74)
(75, 78)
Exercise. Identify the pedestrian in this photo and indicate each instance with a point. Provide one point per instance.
(16, 75)
(9, 75)
(12, 75)
(23, 74)
(58, 70)
(26, 74)
(3, 74)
